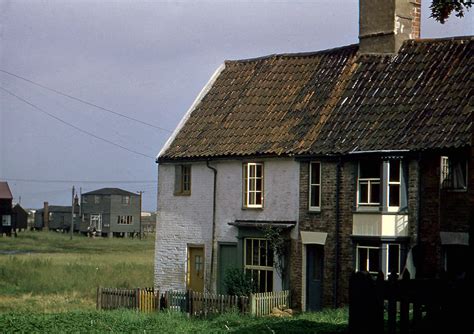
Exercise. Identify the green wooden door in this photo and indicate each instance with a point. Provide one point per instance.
(227, 260)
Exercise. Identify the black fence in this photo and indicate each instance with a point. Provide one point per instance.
(409, 305)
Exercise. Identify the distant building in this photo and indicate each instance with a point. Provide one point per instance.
(19, 218)
(148, 223)
(56, 217)
(111, 212)
(5, 209)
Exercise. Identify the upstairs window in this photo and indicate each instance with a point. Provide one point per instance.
(369, 183)
(394, 183)
(126, 200)
(84, 199)
(96, 199)
(314, 186)
(453, 173)
(253, 185)
(182, 185)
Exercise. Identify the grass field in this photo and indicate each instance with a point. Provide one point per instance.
(48, 285)
(47, 272)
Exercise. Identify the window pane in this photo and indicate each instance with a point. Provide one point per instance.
(374, 192)
(363, 192)
(369, 170)
(248, 252)
(251, 170)
(394, 258)
(252, 184)
(362, 259)
(256, 249)
(259, 184)
(259, 170)
(394, 195)
(314, 196)
(258, 198)
(262, 280)
(269, 280)
(263, 253)
(252, 198)
(395, 171)
(269, 257)
(315, 179)
(374, 260)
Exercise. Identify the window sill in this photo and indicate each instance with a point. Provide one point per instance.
(314, 210)
(380, 211)
(464, 190)
(182, 194)
(260, 208)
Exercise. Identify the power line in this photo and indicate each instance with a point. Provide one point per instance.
(84, 101)
(80, 181)
(72, 125)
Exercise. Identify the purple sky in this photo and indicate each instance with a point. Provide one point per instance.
(147, 60)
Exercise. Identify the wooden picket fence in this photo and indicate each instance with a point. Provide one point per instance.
(141, 299)
(261, 304)
(409, 305)
(203, 304)
(191, 302)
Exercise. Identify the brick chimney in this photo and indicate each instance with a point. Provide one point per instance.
(385, 24)
(46, 216)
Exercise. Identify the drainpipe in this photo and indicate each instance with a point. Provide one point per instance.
(336, 267)
(213, 248)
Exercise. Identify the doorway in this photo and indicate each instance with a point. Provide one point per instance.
(314, 276)
(196, 268)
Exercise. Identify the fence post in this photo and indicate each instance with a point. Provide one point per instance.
(392, 302)
(99, 298)
(404, 303)
(137, 298)
(253, 306)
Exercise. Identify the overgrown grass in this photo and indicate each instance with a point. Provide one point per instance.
(52, 273)
(333, 321)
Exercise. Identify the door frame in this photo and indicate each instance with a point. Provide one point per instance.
(188, 263)
(304, 273)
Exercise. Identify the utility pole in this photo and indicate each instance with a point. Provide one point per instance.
(140, 192)
(72, 213)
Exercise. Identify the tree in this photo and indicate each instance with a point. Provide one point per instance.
(441, 9)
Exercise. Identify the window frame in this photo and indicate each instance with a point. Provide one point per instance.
(97, 199)
(446, 175)
(124, 220)
(369, 183)
(251, 268)
(399, 183)
(183, 177)
(311, 185)
(246, 171)
(366, 247)
(126, 199)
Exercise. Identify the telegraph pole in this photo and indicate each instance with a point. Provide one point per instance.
(72, 213)
(140, 192)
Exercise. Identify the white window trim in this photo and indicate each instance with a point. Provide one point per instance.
(387, 269)
(314, 208)
(399, 183)
(248, 179)
(368, 257)
(257, 267)
(369, 182)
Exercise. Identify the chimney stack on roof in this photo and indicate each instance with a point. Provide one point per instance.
(385, 24)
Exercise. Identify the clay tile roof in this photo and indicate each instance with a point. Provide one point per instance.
(335, 102)
(5, 192)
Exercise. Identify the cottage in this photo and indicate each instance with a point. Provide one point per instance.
(6, 212)
(20, 218)
(111, 212)
(357, 156)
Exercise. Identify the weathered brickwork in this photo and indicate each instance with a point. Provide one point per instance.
(440, 211)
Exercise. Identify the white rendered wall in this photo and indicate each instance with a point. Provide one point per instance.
(185, 220)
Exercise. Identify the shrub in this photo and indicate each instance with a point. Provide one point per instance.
(239, 283)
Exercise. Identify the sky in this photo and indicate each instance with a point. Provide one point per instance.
(145, 60)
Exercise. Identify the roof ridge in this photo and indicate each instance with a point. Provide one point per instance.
(441, 39)
(294, 54)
